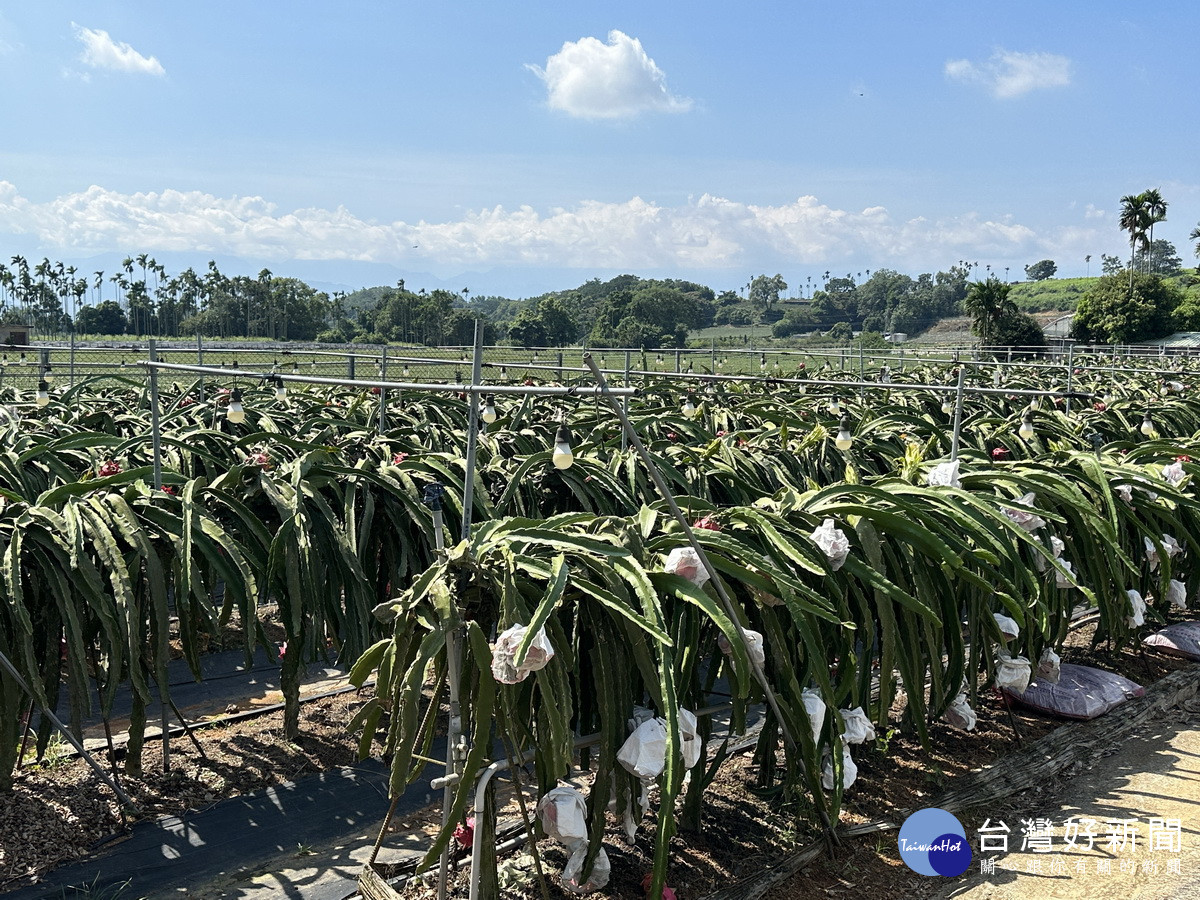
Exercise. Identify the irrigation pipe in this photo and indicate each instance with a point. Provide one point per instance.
(546, 390)
(769, 380)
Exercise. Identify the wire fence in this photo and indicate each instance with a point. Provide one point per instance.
(66, 364)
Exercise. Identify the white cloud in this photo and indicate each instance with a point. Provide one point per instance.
(1009, 73)
(710, 233)
(588, 79)
(100, 51)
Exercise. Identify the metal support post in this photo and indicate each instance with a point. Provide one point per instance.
(350, 366)
(1070, 375)
(71, 360)
(155, 422)
(7, 665)
(625, 405)
(200, 361)
(381, 427)
(958, 413)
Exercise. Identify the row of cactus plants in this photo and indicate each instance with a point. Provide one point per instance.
(305, 504)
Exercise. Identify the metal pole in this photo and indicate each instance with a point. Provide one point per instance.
(7, 665)
(1070, 375)
(155, 430)
(200, 361)
(350, 366)
(625, 405)
(383, 361)
(958, 411)
(71, 364)
(678, 368)
(560, 362)
(472, 434)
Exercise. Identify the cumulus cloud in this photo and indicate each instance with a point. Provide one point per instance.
(709, 233)
(100, 51)
(588, 79)
(1009, 73)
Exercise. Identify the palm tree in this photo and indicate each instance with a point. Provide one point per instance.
(987, 303)
(1195, 236)
(1088, 259)
(1134, 219)
(1156, 211)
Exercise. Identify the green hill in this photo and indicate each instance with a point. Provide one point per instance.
(1052, 293)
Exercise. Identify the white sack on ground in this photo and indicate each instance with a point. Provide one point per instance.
(1013, 672)
(504, 667)
(833, 542)
(959, 714)
(754, 646)
(849, 770)
(601, 870)
(815, 707)
(644, 753)
(685, 562)
(856, 727)
(564, 814)
(1049, 666)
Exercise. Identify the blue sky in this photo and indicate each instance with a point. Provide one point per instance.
(522, 147)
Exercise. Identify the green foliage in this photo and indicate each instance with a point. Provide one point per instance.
(841, 332)
(1117, 310)
(1051, 294)
(103, 318)
(1041, 270)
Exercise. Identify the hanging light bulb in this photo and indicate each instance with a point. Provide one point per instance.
(762, 362)
(844, 438)
(280, 389)
(562, 457)
(947, 405)
(43, 393)
(503, 371)
(405, 370)
(1035, 404)
(996, 378)
(295, 368)
(885, 376)
(489, 409)
(1026, 429)
(48, 374)
(689, 408)
(235, 414)
(835, 407)
(1148, 428)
